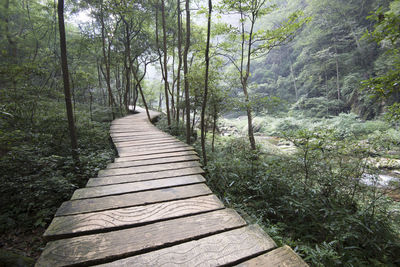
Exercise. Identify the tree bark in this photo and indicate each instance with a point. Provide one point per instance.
(244, 79)
(204, 104)
(185, 71)
(106, 56)
(67, 93)
(166, 84)
(178, 77)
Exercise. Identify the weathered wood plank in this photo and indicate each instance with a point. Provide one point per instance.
(118, 189)
(155, 156)
(133, 138)
(130, 147)
(221, 249)
(98, 248)
(132, 199)
(124, 150)
(138, 134)
(151, 168)
(147, 143)
(280, 257)
(143, 176)
(143, 140)
(160, 151)
(152, 161)
(82, 224)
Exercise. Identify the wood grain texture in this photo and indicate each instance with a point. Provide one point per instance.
(120, 179)
(132, 199)
(280, 257)
(142, 140)
(130, 150)
(151, 168)
(83, 224)
(147, 143)
(150, 146)
(97, 248)
(133, 138)
(155, 156)
(119, 189)
(153, 161)
(221, 249)
(159, 151)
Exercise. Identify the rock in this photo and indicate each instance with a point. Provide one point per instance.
(9, 259)
(384, 163)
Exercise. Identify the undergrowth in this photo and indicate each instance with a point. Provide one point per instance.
(314, 200)
(37, 172)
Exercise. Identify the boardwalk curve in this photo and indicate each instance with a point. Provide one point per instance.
(151, 207)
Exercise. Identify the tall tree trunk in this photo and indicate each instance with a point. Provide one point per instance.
(337, 74)
(106, 56)
(294, 80)
(204, 104)
(185, 71)
(127, 64)
(244, 79)
(67, 93)
(178, 77)
(166, 84)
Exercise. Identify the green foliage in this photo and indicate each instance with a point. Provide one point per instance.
(37, 172)
(314, 200)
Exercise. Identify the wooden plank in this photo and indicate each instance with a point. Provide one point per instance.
(216, 250)
(133, 199)
(151, 168)
(133, 138)
(134, 134)
(146, 143)
(83, 224)
(280, 257)
(142, 176)
(156, 151)
(149, 145)
(144, 140)
(98, 248)
(153, 161)
(129, 147)
(155, 156)
(161, 151)
(118, 189)
(122, 150)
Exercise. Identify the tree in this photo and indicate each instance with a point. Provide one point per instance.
(67, 93)
(255, 43)
(204, 104)
(185, 71)
(386, 33)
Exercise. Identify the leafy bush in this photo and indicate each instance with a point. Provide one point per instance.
(314, 201)
(37, 172)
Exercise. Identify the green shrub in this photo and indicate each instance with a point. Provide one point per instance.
(37, 172)
(315, 198)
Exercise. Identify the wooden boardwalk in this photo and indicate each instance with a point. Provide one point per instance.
(151, 207)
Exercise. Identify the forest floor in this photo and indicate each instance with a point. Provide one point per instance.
(28, 243)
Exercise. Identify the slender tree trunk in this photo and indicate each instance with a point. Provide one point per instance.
(214, 127)
(294, 80)
(185, 71)
(204, 104)
(244, 79)
(178, 77)
(337, 74)
(166, 84)
(127, 66)
(67, 93)
(106, 56)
